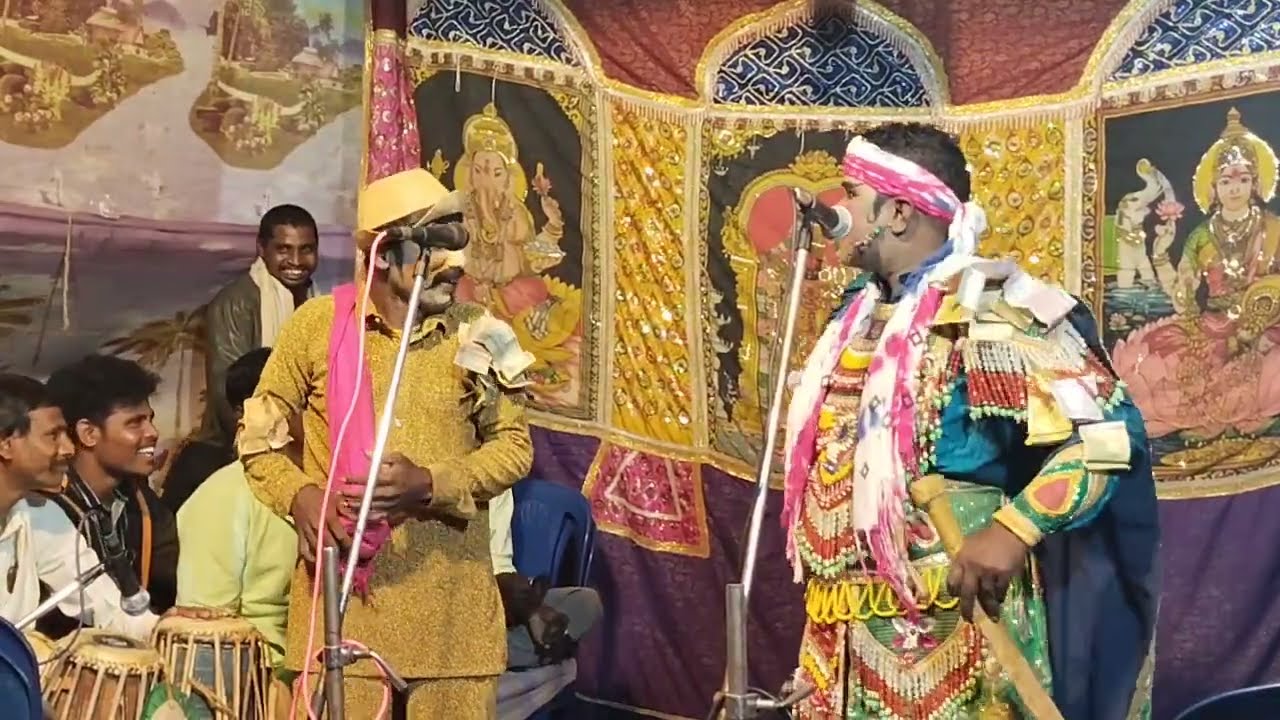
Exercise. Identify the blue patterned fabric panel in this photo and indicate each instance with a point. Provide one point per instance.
(1197, 31)
(827, 62)
(516, 26)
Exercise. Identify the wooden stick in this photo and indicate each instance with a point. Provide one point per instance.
(930, 493)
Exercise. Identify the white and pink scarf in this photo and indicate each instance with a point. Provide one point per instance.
(885, 458)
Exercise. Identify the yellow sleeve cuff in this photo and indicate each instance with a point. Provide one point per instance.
(451, 491)
(1019, 525)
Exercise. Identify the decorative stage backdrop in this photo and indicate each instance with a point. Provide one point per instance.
(627, 165)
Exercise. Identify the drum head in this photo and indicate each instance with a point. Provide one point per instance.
(105, 649)
(19, 675)
(230, 627)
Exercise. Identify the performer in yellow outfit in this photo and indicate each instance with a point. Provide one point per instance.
(427, 601)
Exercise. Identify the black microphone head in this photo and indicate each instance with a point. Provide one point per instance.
(443, 236)
(447, 236)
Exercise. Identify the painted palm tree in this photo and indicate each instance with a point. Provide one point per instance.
(15, 313)
(324, 25)
(251, 11)
(155, 343)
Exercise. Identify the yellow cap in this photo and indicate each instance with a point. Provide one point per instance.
(395, 196)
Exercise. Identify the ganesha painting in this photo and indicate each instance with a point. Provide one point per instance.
(509, 255)
(1202, 308)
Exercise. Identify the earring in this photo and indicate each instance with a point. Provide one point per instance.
(876, 233)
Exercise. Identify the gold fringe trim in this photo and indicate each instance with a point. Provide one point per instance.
(1074, 104)
(568, 29)
(1119, 38)
(1073, 210)
(913, 681)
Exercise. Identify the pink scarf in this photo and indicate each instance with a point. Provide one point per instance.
(885, 457)
(351, 392)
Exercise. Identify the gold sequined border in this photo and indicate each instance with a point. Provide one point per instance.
(652, 391)
(1018, 178)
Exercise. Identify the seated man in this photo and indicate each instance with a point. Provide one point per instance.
(106, 403)
(543, 623)
(237, 554)
(37, 543)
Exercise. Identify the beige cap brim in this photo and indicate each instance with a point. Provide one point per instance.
(396, 196)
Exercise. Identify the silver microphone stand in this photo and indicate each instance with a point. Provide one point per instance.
(740, 702)
(79, 583)
(336, 599)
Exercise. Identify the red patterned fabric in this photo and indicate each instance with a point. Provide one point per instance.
(654, 501)
(393, 127)
(992, 49)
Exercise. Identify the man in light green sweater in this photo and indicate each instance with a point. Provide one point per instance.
(238, 556)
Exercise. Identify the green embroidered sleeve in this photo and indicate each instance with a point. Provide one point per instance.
(1064, 494)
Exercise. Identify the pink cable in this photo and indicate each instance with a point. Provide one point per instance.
(299, 687)
(311, 651)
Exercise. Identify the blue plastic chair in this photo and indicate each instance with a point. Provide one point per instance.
(19, 675)
(1255, 703)
(553, 535)
(552, 532)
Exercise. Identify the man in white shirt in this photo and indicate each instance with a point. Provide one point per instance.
(543, 624)
(38, 544)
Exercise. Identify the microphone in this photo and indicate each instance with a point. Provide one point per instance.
(835, 222)
(134, 600)
(445, 236)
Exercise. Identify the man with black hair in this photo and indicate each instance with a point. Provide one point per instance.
(38, 545)
(197, 459)
(237, 554)
(106, 401)
(248, 313)
(950, 392)
(460, 438)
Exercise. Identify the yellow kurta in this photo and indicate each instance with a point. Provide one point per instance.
(435, 610)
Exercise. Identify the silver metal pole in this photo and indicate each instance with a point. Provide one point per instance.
(333, 694)
(82, 581)
(803, 242)
(384, 431)
(740, 703)
(737, 704)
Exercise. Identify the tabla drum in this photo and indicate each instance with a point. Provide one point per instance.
(223, 660)
(102, 676)
(46, 650)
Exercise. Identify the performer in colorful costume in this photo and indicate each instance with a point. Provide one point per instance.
(428, 601)
(943, 363)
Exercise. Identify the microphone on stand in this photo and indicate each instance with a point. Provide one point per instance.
(134, 599)
(835, 222)
(445, 236)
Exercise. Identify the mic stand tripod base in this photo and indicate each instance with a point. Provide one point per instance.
(337, 657)
(740, 702)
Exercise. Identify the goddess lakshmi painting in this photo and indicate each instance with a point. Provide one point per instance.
(525, 259)
(1207, 374)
